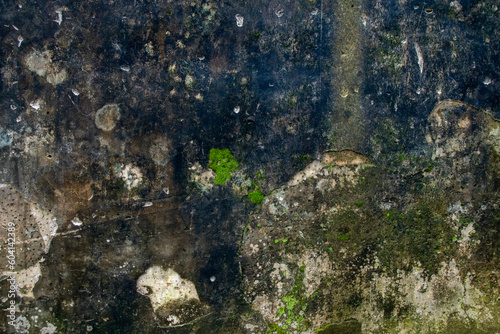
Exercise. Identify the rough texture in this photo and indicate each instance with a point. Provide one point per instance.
(305, 165)
(33, 230)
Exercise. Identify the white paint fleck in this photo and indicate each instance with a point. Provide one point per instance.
(420, 58)
(59, 17)
(239, 20)
(76, 221)
(35, 105)
(173, 319)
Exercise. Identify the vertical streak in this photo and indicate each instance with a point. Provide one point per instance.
(320, 51)
(420, 58)
(347, 115)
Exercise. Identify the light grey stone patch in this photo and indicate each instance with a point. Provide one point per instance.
(22, 325)
(5, 137)
(107, 117)
(165, 286)
(174, 300)
(49, 329)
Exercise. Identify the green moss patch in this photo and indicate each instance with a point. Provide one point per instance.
(256, 197)
(222, 163)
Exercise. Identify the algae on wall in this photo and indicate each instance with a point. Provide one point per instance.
(393, 263)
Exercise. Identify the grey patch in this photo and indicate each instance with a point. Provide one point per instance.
(41, 63)
(5, 137)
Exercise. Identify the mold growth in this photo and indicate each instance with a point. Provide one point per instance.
(107, 117)
(458, 299)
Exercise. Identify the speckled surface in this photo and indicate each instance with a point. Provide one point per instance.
(365, 193)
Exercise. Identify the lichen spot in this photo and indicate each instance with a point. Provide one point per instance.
(107, 117)
(41, 63)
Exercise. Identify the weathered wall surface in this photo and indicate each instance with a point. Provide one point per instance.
(251, 166)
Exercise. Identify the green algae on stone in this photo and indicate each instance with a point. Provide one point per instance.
(222, 163)
(294, 305)
(256, 197)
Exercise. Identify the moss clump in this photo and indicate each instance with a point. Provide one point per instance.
(344, 237)
(256, 197)
(222, 163)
